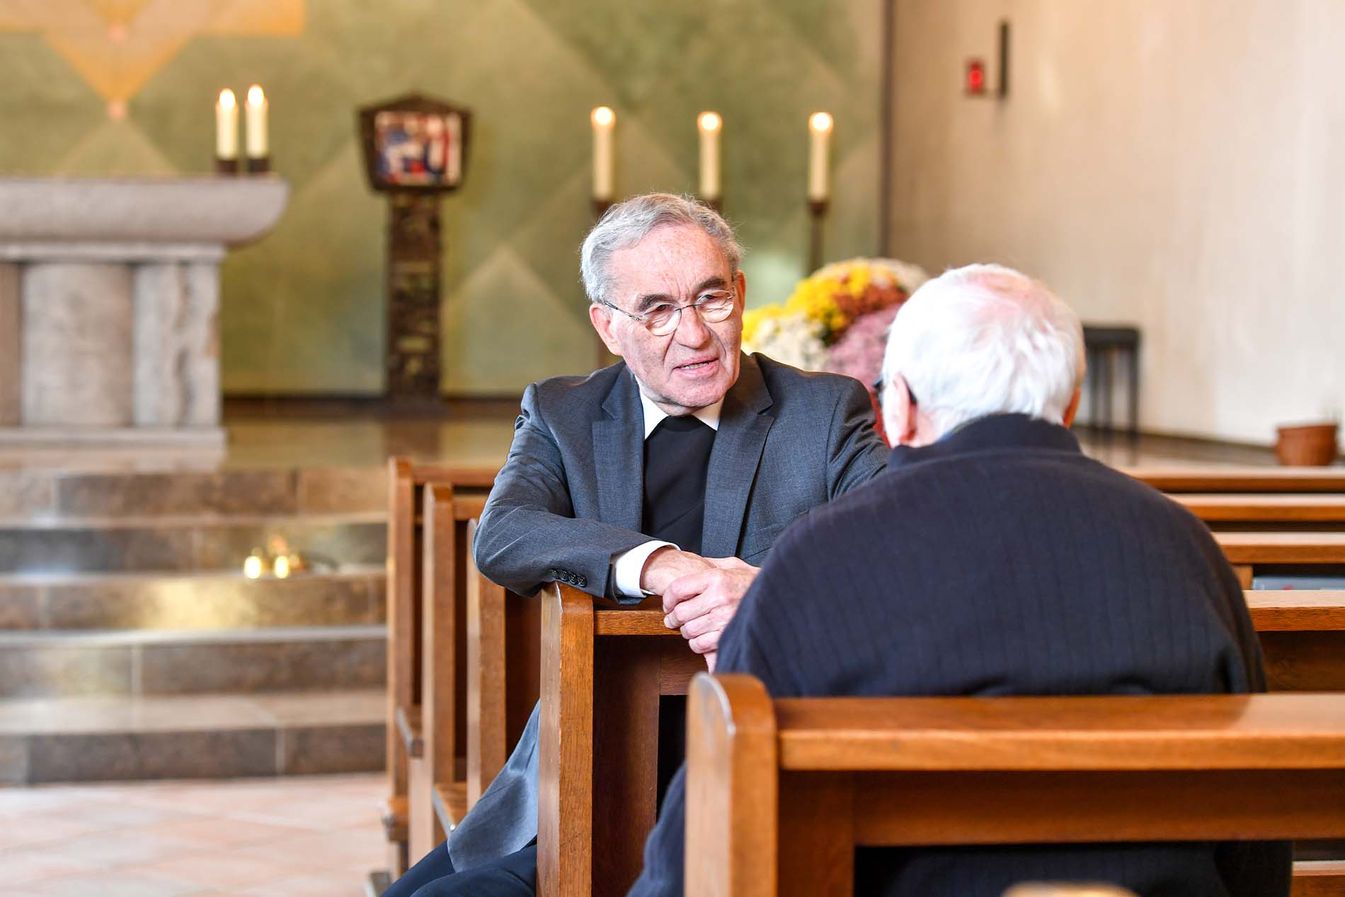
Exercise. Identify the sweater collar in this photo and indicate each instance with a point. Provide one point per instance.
(995, 431)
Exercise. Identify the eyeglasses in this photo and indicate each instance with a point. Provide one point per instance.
(713, 306)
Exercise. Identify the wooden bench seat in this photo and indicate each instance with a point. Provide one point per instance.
(1312, 512)
(1254, 554)
(773, 789)
(1241, 479)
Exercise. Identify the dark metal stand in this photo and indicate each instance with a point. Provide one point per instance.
(226, 166)
(817, 213)
(602, 357)
(413, 341)
(259, 166)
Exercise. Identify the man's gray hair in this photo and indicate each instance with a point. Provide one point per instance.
(986, 339)
(630, 221)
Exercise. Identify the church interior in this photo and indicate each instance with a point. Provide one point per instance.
(275, 275)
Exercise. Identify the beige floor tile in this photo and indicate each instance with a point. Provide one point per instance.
(221, 832)
(38, 828)
(294, 836)
(309, 886)
(106, 814)
(359, 848)
(315, 812)
(223, 870)
(112, 884)
(133, 846)
(26, 869)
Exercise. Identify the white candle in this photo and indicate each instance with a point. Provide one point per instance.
(226, 125)
(257, 142)
(709, 124)
(604, 158)
(819, 138)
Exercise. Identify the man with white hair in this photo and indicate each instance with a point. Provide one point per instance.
(994, 558)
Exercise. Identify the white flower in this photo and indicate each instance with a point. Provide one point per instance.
(791, 339)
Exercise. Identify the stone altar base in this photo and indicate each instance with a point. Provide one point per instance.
(109, 303)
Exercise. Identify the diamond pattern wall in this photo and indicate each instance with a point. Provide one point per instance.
(101, 87)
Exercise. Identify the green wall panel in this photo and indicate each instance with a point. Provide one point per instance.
(303, 308)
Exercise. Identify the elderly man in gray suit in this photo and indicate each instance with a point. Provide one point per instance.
(669, 473)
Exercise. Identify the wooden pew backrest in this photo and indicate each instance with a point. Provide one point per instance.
(1241, 479)
(779, 793)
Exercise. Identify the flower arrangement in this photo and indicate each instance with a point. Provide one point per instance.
(836, 319)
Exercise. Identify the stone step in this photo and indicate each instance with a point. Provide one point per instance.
(79, 739)
(352, 595)
(59, 494)
(141, 663)
(183, 543)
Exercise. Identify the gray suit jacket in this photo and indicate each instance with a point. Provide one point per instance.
(568, 501)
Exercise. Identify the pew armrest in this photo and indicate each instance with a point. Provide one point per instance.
(408, 726)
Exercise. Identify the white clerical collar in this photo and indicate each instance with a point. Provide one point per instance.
(653, 414)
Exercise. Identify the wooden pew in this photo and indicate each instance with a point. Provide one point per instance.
(774, 787)
(1254, 552)
(503, 666)
(1265, 511)
(438, 776)
(1241, 479)
(604, 668)
(603, 671)
(406, 636)
(1302, 634)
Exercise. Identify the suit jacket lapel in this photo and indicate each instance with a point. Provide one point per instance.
(618, 455)
(743, 425)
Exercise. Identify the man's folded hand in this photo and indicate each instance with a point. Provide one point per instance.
(701, 603)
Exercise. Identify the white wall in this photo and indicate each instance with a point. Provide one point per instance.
(1177, 164)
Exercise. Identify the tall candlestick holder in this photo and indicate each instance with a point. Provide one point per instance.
(259, 164)
(226, 166)
(817, 213)
(602, 357)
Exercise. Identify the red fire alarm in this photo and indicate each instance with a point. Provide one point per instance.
(975, 80)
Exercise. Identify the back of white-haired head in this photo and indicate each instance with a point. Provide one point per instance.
(986, 339)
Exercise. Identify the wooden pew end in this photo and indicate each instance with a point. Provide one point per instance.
(450, 803)
(408, 726)
(393, 816)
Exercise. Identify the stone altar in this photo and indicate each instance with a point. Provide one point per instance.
(109, 302)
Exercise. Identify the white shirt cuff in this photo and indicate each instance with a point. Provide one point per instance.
(629, 565)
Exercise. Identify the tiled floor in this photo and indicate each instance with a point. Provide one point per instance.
(291, 837)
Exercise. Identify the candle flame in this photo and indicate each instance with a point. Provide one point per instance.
(603, 116)
(710, 121)
(820, 122)
(255, 95)
(227, 98)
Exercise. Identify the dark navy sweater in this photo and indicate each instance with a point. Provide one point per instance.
(999, 561)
